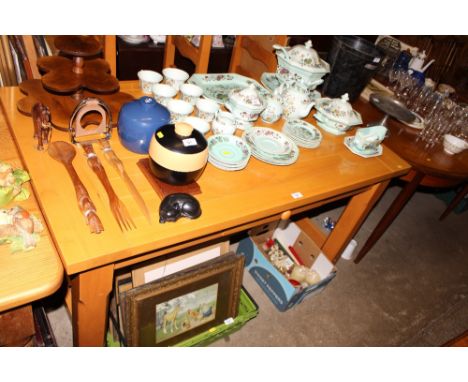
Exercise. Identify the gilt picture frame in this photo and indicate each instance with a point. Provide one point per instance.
(180, 306)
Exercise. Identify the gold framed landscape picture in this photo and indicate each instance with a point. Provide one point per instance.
(170, 310)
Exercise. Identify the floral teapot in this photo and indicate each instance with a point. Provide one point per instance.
(417, 62)
(296, 101)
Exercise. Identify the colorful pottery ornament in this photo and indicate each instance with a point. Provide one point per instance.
(10, 184)
(19, 228)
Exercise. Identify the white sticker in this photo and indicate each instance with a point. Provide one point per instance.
(189, 142)
(229, 321)
(296, 195)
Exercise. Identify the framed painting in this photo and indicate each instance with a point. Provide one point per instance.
(179, 306)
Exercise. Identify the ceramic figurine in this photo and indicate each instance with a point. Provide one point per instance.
(175, 206)
(19, 228)
(11, 181)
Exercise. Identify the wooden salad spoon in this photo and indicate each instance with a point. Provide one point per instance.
(64, 153)
(118, 209)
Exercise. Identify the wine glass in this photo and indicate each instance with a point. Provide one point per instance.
(393, 76)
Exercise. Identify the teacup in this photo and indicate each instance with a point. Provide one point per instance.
(369, 138)
(273, 111)
(148, 78)
(179, 110)
(454, 145)
(198, 124)
(207, 109)
(224, 123)
(175, 77)
(191, 93)
(163, 93)
(242, 125)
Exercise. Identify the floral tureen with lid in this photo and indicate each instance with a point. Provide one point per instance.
(246, 103)
(339, 110)
(304, 56)
(300, 63)
(336, 116)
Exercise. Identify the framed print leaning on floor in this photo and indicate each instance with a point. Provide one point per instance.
(177, 307)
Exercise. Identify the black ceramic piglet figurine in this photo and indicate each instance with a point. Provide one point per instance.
(175, 206)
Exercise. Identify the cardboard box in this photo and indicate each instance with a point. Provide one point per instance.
(167, 265)
(277, 287)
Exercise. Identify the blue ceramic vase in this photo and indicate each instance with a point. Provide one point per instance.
(138, 120)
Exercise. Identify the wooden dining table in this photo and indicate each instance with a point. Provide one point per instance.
(432, 168)
(26, 276)
(231, 202)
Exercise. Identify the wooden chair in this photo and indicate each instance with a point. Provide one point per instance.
(254, 55)
(110, 52)
(200, 56)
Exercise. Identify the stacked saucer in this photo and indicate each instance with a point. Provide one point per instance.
(271, 146)
(303, 133)
(228, 152)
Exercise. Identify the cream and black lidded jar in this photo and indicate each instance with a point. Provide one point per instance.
(178, 153)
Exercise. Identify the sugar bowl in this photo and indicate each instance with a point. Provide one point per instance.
(245, 104)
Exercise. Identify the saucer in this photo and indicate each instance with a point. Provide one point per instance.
(369, 153)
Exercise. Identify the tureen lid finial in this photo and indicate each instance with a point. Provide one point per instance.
(308, 44)
(345, 97)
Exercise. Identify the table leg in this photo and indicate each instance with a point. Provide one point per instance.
(457, 199)
(351, 219)
(90, 297)
(405, 194)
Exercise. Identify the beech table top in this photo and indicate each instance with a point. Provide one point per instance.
(228, 199)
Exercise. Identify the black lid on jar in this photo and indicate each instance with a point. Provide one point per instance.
(181, 138)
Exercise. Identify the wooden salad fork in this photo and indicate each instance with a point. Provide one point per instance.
(114, 160)
(64, 153)
(118, 209)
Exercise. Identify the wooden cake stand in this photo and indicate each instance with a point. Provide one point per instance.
(68, 80)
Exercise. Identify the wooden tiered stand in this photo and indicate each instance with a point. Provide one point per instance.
(70, 77)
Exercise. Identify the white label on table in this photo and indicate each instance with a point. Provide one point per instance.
(297, 195)
(189, 142)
